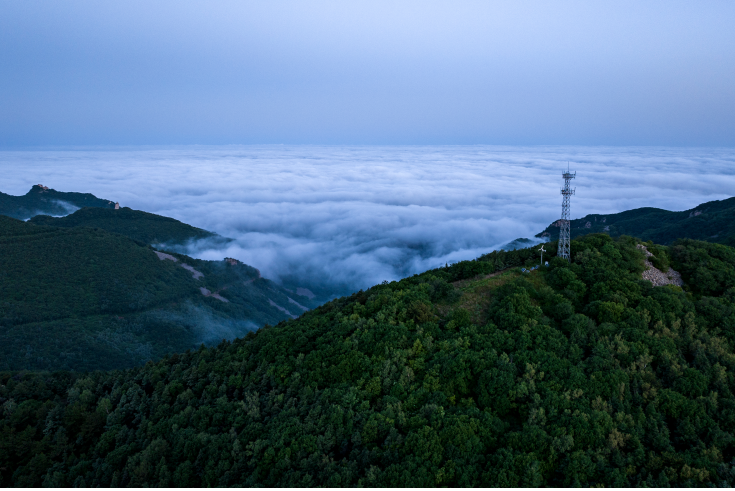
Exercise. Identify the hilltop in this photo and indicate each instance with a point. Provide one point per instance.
(713, 221)
(81, 298)
(163, 232)
(476, 374)
(41, 200)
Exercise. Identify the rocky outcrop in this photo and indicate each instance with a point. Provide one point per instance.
(656, 276)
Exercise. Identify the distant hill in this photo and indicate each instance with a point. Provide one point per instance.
(45, 206)
(82, 298)
(713, 221)
(139, 225)
(41, 200)
(581, 374)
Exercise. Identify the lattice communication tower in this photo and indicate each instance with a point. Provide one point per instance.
(564, 235)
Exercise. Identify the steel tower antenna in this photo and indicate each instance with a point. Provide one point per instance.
(564, 237)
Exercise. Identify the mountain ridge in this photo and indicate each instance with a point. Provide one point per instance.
(40, 200)
(579, 374)
(157, 230)
(713, 221)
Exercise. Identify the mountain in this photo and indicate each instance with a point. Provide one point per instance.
(80, 298)
(41, 200)
(713, 221)
(162, 232)
(138, 225)
(476, 374)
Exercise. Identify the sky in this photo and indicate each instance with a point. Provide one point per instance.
(367, 72)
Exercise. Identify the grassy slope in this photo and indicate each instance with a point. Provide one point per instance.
(46, 201)
(713, 221)
(83, 298)
(138, 225)
(583, 374)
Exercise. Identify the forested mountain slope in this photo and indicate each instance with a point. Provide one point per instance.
(83, 298)
(581, 374)
(42, 200)
(713, 221)
(139, 225)
(162, 232)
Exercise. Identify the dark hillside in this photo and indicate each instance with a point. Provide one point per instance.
(139, 225)
(83, 298)
(582, 374)
(101, 272)
(41, 200)
(713, 222)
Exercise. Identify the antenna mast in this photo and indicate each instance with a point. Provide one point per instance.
(564, 235)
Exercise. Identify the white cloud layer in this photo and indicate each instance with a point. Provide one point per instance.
(351, 217)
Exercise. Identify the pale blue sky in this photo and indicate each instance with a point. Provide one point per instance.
(372, 72)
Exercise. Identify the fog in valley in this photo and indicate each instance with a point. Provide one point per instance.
(345, 218)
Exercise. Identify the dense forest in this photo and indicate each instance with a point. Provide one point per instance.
(476, 374)
(138, 225)
(713, 221)
(84, 298)
(41, 200)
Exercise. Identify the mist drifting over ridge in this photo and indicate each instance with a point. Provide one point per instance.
(350, 217)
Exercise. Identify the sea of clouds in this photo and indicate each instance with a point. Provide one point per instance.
(348, 217)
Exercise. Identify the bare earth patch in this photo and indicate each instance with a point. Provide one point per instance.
(656, 276)
(216, 295)
(291, 300)
(163, 255)
(194, 273)
(274, 304)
